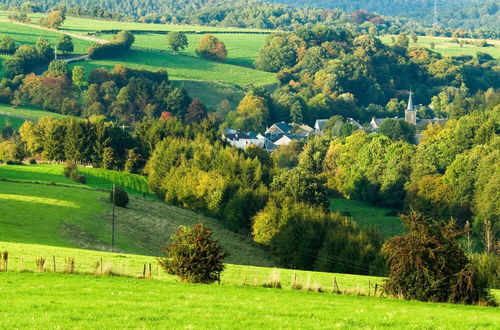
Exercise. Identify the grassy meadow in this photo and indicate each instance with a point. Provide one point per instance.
(242, 49)
(33, 300)
(28, 35)
(12, 121)
(96, 177)
(367, 215)
(77, 216)
(182, 67)
(446, 47)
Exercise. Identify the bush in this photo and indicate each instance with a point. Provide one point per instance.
(121, 197)
(71, 171)
(193, 255)
(427, 264)
(32, 161)
(70, 168)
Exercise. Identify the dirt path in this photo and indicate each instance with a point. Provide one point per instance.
(74, 35)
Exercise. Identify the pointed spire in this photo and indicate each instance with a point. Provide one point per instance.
(410, 103)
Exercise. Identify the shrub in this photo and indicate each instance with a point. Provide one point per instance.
(427, 264)
(121, 197)
(193, 255)
(32, 161)
(70, 168)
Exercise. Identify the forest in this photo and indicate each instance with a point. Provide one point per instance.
(477, 19)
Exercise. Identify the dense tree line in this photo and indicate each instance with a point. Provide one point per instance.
(325, 71)
(480, 22)
(453, 13)
(27, 58)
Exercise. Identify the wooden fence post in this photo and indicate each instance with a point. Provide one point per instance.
(54, 263)
(376, 286)
(369, 288)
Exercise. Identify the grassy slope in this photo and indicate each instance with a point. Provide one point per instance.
(72, 301)
(181, 67)
(13, 121)
(73, 217)
(27, 112)
(446, 47)
(96, 177)
(242, 48)
(28, 35)
(369, 216)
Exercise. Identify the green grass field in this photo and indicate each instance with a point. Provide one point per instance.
(28, 35)
(84, 25)
(182, 67)
(96, 177)
(12, 121)
(28, 113)
(79, 217)
(369, 216)
(242, 49)
(32, 300)
(448, 48)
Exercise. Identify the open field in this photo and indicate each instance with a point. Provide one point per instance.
(84, 25)
(13, 121)
(96, 177)
(27, 113)
(242, 49)
(31, 300)
(370, 216)
(182, 67)
(28, 35)
(76, 217)
(448, 48)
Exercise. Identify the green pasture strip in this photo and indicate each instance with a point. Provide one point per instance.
(28, 113)
(14, 122)
(448, 48)
(180, 67)
(33, 300)
(28, 35)
(367, 215)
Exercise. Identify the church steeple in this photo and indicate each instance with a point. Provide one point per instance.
(410, 103)
(410, 114)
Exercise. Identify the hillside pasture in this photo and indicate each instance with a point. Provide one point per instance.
(242, 49)
(446, 47)
(14, 122)
(28, 35)
(28, 113)
(182, 67)
(84, 25)
(76, 216)
(385, 220)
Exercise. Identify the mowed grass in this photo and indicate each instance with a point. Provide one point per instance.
(32, 213)
(242, 49)
(369, 216)
(182, 67)
(28, 35)
(12, 121)
(96, 177)
(28, 113)
(446, 47)
(31, 300)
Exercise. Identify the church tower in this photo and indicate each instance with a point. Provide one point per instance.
(410, 113)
